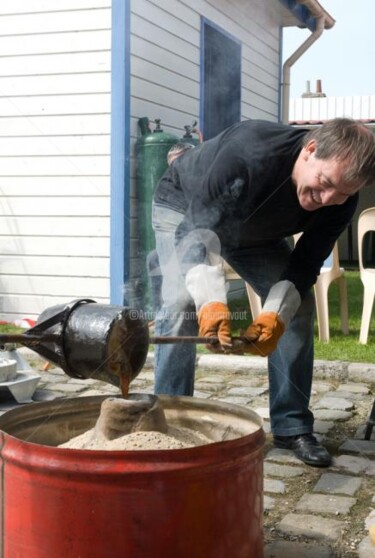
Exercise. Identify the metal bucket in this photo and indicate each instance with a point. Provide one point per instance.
(202, 502)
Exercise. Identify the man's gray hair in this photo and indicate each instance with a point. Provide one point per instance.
(347, 140)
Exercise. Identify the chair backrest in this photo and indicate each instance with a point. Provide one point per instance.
(332, 262)
(366, 223)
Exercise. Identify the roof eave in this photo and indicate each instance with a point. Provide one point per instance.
(307, 12)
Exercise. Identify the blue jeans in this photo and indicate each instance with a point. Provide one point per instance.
(290, 366)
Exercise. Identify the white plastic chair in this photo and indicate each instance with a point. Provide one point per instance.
(331, 272)
(366, 223)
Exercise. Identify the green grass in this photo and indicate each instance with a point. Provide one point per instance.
(9, 328)
(340, 347)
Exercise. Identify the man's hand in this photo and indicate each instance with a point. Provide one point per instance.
(263, 334)
(214, 321)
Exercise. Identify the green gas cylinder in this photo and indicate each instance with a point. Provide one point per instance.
(151, 150)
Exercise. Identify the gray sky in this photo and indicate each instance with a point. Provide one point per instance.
(343, 57)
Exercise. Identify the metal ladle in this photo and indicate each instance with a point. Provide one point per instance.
(90, 340)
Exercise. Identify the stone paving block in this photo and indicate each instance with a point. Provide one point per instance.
(325, 414)
(58, 372)
(334, 404)
(360, 433)
(202, 394)
(138, 381)
(234, 363)
(327, 369)
(266, 427)
(235, 400)
(294, 549)
(47, 377)
(311, 526)
(150, 362)
(211, 379)
(347, 395)
(370, 519)
(282, 456)
(68, 389)
(46, 395)
(366, 549)
(206, 386)
(321, 503)
(246, 381)
(334, 483)
(248, 391)
(361, 373)
(274, 486)
(321, 387)
(354, 388)
(263, 412)
(286, 471)
(363, 447)
(92, 392)
(323, 426)
(146, 376)
(268, 503)
(352, 463)
(86, 381)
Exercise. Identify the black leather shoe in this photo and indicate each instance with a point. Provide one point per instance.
(305, 447)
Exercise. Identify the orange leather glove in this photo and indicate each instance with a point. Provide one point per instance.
(263, 334)
(214, 321)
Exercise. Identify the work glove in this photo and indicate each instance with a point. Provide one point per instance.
(214, 321)
(262, 336)
(206, 285)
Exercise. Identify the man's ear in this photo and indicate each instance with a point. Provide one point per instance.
(310, 148)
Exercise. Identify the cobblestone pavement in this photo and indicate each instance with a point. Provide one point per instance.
(308, 512)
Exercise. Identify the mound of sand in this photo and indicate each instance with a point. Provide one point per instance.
(177, 438)
(135, 425)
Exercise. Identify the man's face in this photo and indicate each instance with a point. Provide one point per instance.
(319, 182)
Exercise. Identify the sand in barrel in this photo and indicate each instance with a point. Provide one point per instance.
(126, 424)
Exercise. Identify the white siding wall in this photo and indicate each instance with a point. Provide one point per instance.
(55, 125)
(54, 153)
(165, 48)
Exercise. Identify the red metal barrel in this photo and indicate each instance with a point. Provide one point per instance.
(203, 502)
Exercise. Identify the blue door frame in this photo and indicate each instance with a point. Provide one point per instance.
(120, 151)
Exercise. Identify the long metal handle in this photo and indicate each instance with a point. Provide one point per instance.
(32, 339)
(237, 342)
(35, 339)
(182, 339)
